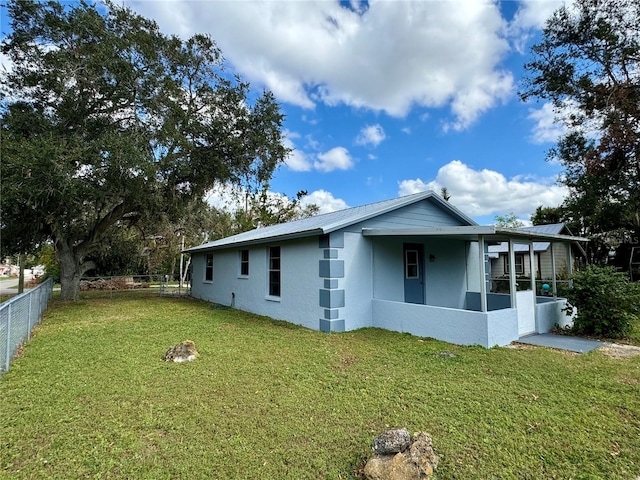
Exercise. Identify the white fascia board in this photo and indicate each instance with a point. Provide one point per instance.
(256, 241)
(472, 230)
(536, 236)
(492, 233)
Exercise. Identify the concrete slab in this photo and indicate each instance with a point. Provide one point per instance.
(562, 342)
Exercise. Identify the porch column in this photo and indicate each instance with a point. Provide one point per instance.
(532, 268)
(532, 263)
(554, 288)
(569, 265)
(512, 274)
(483, 275)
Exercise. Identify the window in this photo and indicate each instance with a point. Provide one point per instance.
(411, 263)
(244, 263)
(274, 271)
(208, 268)
(519, 265)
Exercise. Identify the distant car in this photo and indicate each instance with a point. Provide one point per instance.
(38, 271)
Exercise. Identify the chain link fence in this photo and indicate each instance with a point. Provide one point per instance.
(18, 316)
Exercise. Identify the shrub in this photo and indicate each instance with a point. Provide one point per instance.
(607, 303)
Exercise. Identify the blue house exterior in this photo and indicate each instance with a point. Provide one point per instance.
(412, 264)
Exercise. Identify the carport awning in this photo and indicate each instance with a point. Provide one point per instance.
(489, 233)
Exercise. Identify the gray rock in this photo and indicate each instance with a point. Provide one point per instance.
(392, 441)
(417, 462)
(182, 352)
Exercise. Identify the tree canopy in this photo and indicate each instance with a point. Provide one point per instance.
(508, 220)
(588, 66)
(107, 121)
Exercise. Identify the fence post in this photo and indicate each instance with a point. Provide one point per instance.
(29, 316)
(8, 356)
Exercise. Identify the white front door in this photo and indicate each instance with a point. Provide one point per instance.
(526, 303)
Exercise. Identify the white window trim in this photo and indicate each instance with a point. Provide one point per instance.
(240, 274)
(206, 267)
(269, 296)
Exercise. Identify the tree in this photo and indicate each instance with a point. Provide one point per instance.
(106, 121)
(547, 215)
(260, 210)
(508, 221)
(587, 65)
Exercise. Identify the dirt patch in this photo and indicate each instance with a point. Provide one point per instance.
(344, 362)
(520, 346)
(615, 350)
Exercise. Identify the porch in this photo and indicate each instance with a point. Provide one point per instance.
(445, 291)
(499, 325)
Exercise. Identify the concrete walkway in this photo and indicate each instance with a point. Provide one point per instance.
(562, 342)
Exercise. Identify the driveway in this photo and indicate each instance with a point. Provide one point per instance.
(10, 285)
(562, 342)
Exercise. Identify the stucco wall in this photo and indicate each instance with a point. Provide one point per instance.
(549, 313)
(462, 327)
(445, 272)
(388, 269)
(300, 282)
(358, 281)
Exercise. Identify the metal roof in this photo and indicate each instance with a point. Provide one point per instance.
(491, 233)
(552, 228)
(328, 222)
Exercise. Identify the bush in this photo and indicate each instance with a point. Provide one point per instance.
(606, 301)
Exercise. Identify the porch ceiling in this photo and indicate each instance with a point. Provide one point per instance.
(490, 233)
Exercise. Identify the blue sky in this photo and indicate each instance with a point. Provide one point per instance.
(385, 98)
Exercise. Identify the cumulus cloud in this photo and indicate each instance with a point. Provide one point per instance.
(546, 128)
(297, 160)
(338, 158)
(531, 16)
(325, 201)
(487, 192)
(391, 56)
(535, 13)
(371, 135)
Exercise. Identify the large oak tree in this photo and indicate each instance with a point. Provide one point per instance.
(107, 121)
(588, 66)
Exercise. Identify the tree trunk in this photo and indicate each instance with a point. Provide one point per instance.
(21, 259)
(72, 268)
(69, 276)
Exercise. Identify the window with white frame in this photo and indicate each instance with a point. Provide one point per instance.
(519, 264)
(208, 268)
(411, 264)
(244, 263)
(274, 271)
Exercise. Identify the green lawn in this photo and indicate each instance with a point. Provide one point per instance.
(90, 397)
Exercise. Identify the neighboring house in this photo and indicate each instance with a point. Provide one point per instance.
(413, 264)
(545, 255)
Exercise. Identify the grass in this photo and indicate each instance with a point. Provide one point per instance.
(91, 397)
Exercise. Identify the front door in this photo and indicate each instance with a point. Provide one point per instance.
(413, 273)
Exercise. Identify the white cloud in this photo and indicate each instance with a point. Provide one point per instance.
(325, 201)
(531, 16)
(391, 57)
(371, 135)
(297, 160)
(535, 13)
(546, 128)
(487, 192)
(226, 196)
(338, 158)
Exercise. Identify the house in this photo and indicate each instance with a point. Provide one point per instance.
(412, 264)
(548, 256)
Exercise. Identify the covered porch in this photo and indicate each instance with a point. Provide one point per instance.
(445, 292)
